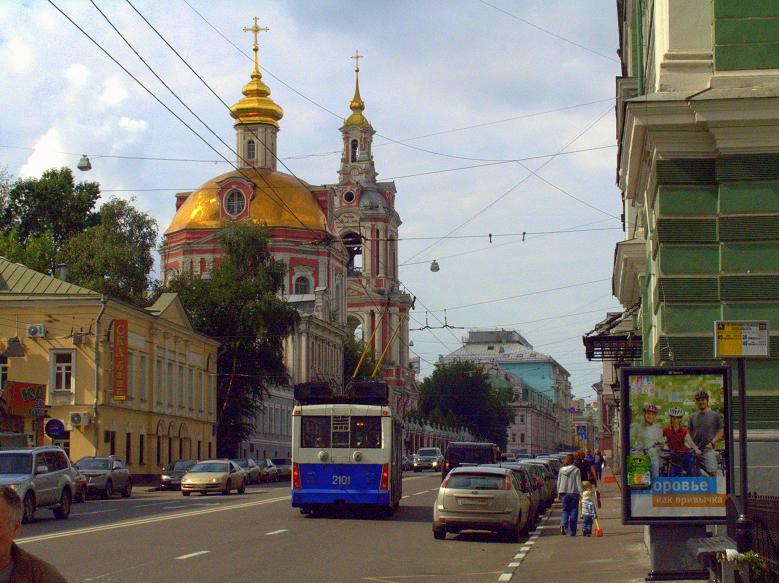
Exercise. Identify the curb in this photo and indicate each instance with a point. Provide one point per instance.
(516, 560)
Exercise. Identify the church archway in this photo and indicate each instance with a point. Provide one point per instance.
(353, 243)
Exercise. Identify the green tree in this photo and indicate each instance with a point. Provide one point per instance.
(115, 256)
(239, 306)
(37, 253)
(53, 203)
(352, 351)
(459, 394)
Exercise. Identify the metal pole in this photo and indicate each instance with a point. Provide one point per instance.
(743, 524)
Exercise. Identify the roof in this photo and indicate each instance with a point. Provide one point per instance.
(20, 282)
(480, 470)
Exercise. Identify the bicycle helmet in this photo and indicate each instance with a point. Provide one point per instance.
(675, 412)
(650, 408)
(701, 395)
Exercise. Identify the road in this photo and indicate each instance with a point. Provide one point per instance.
(164, 537)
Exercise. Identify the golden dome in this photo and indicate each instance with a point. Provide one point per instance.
(357, 105)
(201, 208)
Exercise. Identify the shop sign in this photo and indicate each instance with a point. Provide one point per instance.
(120, 360)
(26, 399)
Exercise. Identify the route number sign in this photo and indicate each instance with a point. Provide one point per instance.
(740, 339)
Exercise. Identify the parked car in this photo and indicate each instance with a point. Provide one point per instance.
(106, 475)
(171, 476)
(268, 471)
(219, 475)
(407, 463)
(536, 472)
(481, 498)
(43, 478)
(250, 467)
(527, 485)
(428, 458)
(80, 493)
(284, 467)
(470, 453)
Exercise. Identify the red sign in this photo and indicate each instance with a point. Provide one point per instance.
(120, 360)
(26, 399)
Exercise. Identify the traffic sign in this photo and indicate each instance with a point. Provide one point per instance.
(740, 339)
(55, 428)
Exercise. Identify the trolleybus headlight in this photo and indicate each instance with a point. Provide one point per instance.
(322, 455)
(357, 456)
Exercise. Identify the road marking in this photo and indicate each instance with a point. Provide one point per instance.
(524, 549)
(276, 531)
(422, 492)
(95, 512)
(190, 555)
(520, 556)
(505, 577)
(155, 504)
(150, 520)
(514, 565)
(406, 496)
(426, 576)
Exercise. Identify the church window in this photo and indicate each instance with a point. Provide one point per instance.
(349, 196)
(235, 202)
(354, 145)
(353, 243)
(250, 150)
(301, 285)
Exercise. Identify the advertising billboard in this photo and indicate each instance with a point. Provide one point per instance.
(676, 445)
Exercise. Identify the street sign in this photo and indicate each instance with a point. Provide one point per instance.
(740, 339)
(572, 410)
(55, 428)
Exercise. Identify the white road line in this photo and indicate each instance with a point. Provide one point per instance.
(190, 555)
(95, 512)
(524, 549)
(155, 504)
(422, 492)
(514, 565)
(149, 520)
(276, 531)
(402, 497)
(505, 577)
(520, 556)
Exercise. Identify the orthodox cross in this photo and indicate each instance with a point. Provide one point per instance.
(357, 56)
(256, 29)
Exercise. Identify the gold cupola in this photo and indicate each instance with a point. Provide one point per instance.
(256, 107)
(357, 105)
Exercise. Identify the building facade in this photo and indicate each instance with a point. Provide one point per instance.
(698, 167)
(98, 376)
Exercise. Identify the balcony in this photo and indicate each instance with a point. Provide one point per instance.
(629, 265)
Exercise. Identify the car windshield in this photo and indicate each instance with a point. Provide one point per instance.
(212, 467)
(93, 464)
(476, 482)
(183, 465)
(243, 462)
(428, 452)
(281, 461)
(15, 463)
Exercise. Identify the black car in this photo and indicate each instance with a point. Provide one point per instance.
(469, 453)
(171, 476)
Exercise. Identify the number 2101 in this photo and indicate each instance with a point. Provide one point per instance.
(342, 480)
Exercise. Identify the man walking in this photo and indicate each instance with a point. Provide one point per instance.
(707, 429)
(569, 487)
(16, 565)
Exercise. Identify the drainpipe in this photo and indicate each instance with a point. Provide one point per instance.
(103, 303)
(640, 42)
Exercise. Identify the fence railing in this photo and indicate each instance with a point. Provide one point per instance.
(764, 513)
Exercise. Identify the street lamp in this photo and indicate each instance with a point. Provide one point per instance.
(84, 164)
(434, 266)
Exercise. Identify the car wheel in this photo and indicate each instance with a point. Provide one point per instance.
(227, 488)
(128, 489)
(242, 489)
(64, 509)
(512, 535)
(439, 533)
(29, 507)
(185, 493)
(108, 491)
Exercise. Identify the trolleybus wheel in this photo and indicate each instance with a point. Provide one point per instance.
(439, 533)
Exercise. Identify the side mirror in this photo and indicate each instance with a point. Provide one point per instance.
(42, 469)
(116, 466)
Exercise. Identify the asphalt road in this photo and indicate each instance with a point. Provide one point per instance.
(164, 537)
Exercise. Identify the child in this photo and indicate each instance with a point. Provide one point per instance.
(589, 507)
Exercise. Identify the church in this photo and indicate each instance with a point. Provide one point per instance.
(339, 242)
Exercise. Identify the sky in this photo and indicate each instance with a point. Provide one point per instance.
(492, 117)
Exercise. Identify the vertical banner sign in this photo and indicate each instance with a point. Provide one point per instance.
(120, 360)
(675, 444)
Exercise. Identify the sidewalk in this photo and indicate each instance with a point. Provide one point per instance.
(620, 556)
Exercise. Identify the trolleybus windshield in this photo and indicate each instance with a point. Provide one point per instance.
(340, 431)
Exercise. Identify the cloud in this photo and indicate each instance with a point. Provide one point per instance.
(114, 91)
(47, 154)
(78, 75)
(133, 125)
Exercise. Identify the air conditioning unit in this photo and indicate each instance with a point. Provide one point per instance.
(78, 338)
(36, 331)
(79, 419)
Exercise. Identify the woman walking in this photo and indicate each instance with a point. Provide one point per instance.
(569, 487)
(600, 461)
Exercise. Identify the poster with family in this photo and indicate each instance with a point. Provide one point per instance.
(675, 444)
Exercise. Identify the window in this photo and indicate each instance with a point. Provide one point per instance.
(158, 381)
(3, 371)
(109, 437)
(354, 145)
(128, 448)
(140, 449)
(159, 450)
(353, 243)
(181, 388)
(198, 449)
(521, 438)
(513, 438)
(171, 384)
(235, 202)
(315, 431)
(202, 390)
(142, 377)
(366, 432)
(209, 449)
(250, 150)
(301, 285)
(521, 418)
(62, 362)
(349, 196)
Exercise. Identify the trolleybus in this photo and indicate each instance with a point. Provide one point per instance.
(346, 450)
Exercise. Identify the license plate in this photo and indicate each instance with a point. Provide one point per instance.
(473, 501)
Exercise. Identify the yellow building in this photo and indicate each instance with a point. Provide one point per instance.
(110, 378)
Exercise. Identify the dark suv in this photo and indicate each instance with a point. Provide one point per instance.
(468, 453)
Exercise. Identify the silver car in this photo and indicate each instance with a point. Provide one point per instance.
(481, 498)
(43, 478)
(106, 475)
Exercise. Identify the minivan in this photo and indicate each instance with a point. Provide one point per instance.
(468, 453)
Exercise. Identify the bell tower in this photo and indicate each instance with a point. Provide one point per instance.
(368, 223)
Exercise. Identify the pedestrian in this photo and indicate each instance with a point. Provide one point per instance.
(16, 565)
(569, 488)
(586, 467)
(588, 508)
(600, 461)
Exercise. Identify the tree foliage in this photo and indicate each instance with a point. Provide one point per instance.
(459, 394)
(239, 306)
(115, 256)
(352, 351)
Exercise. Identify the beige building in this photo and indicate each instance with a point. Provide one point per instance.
(110, 378)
